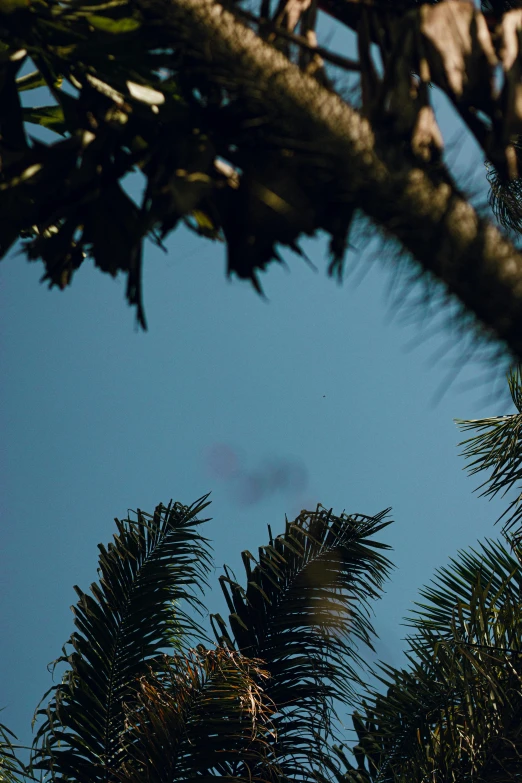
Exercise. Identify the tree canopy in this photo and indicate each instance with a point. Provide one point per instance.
(233, 119)
(146, 695)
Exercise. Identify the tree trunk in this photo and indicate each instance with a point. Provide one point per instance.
(421, 207)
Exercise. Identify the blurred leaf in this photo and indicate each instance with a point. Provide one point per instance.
(12, 132)
(497, 447)
(8, 7)
(50, 117)
(115, 26)
(31, 81)
(141, 92)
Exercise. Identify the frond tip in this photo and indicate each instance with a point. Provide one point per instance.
(497, 448)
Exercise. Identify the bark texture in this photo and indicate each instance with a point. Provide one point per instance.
(421, 207)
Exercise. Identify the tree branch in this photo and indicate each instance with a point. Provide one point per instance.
(422, 208)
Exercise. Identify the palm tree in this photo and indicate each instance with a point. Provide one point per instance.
(233, 121)
(145, 695)
(454, 713)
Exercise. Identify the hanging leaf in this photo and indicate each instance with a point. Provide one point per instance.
(106, 24)
(460, 52)
(50, 117)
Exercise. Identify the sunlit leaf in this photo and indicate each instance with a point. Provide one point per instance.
(50, 117)
(31, 81)
(141, 92)
(115, 26)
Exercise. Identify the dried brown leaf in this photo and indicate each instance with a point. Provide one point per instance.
(459, 50)
(509, 34)
(426, 138)
(294, 11)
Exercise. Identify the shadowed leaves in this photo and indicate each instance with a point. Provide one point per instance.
(456, 712)
(121, 630)
(206, 716)
(497, 448)
(303, 612)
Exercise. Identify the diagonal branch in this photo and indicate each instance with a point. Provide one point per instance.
(420, 207)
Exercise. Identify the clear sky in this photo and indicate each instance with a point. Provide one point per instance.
(317, 381)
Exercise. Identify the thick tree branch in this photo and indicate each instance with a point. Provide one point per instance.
(421, 208)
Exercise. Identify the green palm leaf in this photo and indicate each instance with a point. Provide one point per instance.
(12, 770)
(305, 607)
(122, 629)
(456, 713)
(497, 448)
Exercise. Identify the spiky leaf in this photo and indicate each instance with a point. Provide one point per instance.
(122, 628)
(455, 713)
(304, 609)
(497, 448)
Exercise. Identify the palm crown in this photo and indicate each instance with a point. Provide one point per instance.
(146, 697)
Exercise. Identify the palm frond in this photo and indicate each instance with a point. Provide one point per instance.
(497, 447)
(205, 716)
(455, 713)
(505, 196)
(122, 629)
(304, 609)
(491, 569)
(12, 769)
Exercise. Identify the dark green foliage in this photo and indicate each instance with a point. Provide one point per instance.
(304, 608)
(497, 448)
(122, 105)
(122, 628)
(124, 99)
(505, 196)
(207, 716)
(455, 714)
(11, 768)
(65, 197)
(144, 699)
(141, 700)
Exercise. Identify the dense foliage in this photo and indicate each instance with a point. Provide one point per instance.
(145, 695)
(186, 101)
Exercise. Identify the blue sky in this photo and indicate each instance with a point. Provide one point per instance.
(98, 417)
